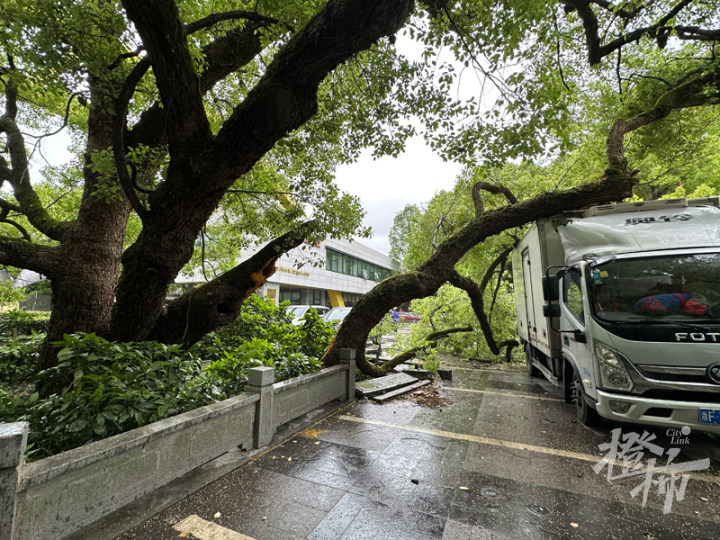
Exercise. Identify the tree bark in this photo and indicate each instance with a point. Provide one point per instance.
(217, 303)
(202, 167)
(83, 286)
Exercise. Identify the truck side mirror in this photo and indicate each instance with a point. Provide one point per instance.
(551, 288)
(551, 310)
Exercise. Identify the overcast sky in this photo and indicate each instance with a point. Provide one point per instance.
(386, 185)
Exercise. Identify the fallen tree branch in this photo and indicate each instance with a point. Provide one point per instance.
(217, 303)
(490, 188)
(430, 340)
(509, 345)
(503, 267)
(475, 293)
(428, 277)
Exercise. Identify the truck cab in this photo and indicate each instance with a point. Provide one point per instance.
(620, 306)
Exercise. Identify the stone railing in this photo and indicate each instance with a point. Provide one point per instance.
(57, 496)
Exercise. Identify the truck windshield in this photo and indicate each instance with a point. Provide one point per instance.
(669, 288)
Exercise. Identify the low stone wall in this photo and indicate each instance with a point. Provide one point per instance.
(59, 495)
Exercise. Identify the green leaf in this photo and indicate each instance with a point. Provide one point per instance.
(77, 425)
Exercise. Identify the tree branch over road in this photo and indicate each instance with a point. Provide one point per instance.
(198, 102)
(440, 266)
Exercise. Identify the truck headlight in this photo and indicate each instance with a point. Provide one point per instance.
(613, 374)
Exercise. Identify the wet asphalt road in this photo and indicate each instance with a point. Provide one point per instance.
(505, 459)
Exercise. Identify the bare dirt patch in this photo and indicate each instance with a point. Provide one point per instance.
(428, 396)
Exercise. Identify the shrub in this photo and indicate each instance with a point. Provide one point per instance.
(18, 359)
(113, 387)
(315, 335)
(263, 335)
(15, 322)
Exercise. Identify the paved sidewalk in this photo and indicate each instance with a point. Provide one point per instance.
(502, 458)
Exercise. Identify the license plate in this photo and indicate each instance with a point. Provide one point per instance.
(709, 416)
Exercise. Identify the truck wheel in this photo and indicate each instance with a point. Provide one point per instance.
(585, 413)
(532, 371)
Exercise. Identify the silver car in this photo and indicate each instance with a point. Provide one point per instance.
(298, 312)
(336, 315)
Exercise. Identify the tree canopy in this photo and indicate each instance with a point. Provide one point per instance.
(198, 125)
(583, 112)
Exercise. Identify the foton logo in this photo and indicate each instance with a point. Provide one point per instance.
(697, 337)
(713, 373)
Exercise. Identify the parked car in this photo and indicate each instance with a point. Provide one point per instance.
(408, 316)
(336, 315)
(298, 312)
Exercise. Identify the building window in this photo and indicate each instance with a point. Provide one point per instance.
(333, 261)
(290, 295)
(351, 266)
(350, 299)
(319, 298)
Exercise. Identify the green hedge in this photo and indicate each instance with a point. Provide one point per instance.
(23, 322)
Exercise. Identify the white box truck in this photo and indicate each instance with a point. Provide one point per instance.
(620, 306)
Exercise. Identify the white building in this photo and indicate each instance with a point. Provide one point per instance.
(330, 273)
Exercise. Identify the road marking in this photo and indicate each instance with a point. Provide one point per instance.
(207, 530)
(506, 394)
(519, 446)
(476, 438)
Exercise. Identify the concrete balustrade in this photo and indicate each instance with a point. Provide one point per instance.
(58, 496)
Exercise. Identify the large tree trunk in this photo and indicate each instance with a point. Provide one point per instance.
(426, 280)
(202, 166)
(83, 284)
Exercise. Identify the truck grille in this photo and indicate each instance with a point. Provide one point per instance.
(681, 395)
(675, 374)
